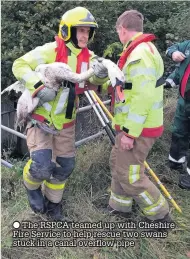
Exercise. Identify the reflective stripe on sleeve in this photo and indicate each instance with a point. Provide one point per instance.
(180, 161)
(26, 77)
(38, 57)
(47, 106)
(121, 109)
(143, 71)
(136, 118)
(171, 82)
(144, 83)
(157, 105)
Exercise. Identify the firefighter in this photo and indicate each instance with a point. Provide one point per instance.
(180, 53)
(52, 156)
(138, 121)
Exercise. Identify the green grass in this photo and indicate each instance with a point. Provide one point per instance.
(86, 193)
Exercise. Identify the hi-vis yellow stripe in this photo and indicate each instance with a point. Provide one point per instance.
(145, 196)
(127, 201)
(136, 118)
(26, 171)
(54, 186)
(134, 173)
(152, 210)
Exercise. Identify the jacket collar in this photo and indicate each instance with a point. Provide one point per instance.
(133, 38)
(73, 49)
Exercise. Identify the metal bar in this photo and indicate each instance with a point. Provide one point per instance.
(86, 108)
(8, 127)
(13, 132)
(95, 109)
(103, 106)
(5, 112)
(5, 163)
(77, 144)
(98, 106)
(105, 126)
(102, 112)
(80, 142)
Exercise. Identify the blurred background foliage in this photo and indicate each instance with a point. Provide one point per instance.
(27, 24)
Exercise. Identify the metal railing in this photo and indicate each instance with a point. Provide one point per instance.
(77, 143)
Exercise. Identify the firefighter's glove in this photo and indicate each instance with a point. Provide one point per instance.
(99, 69)
(46, 95)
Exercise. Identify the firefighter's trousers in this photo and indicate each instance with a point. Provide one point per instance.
(52, 160)
(129, 181)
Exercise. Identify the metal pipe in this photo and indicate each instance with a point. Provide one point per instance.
(80, 142)
(5, 163)
(5, 112)
(105, 126)
(77, 144)
(98, 106)
(13, 132)
(102, 112)
(95, 109)
(88, 107)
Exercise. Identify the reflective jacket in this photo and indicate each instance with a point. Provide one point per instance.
(142, 112)
(53, 112)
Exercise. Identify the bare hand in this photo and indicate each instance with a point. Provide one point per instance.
(178, 56)
(126, 143)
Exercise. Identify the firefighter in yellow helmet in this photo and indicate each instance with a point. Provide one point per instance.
(52, 156)
(74, 18)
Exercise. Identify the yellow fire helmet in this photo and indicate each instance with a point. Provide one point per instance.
(78, 16)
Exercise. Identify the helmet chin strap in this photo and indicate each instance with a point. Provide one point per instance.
(91, 33)
(74, 38)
